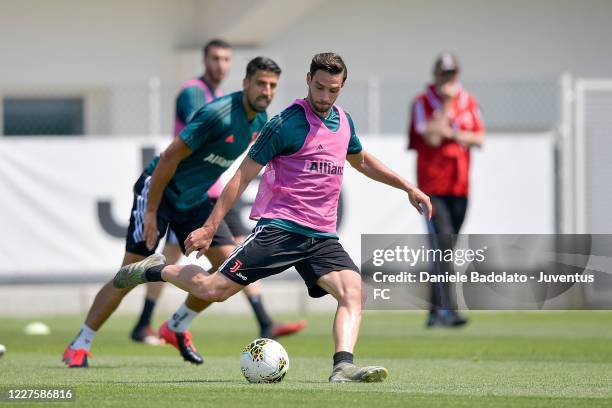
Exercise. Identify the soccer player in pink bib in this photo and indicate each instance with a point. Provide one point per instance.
(304, 149)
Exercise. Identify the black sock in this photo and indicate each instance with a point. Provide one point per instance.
(262, 317)
(153, 274)
(147, 311)
(343, 357)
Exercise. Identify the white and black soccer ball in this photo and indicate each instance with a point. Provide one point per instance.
(264, 361)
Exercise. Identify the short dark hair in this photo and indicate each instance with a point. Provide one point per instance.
(216, 42)
(329, 62)
(261, 64)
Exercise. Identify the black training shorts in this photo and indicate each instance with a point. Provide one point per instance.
(182, 222)
(270, 250)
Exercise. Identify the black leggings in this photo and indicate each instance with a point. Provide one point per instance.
(448, 215)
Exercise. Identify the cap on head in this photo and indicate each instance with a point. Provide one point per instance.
(445, 63)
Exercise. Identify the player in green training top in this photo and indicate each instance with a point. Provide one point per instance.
(194, 93)
(172, 192)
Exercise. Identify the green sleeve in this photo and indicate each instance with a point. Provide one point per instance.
(200, 129)
(269, 143)
(354, 146)
(188, 102)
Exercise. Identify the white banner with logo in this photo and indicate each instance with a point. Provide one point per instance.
(66, 201)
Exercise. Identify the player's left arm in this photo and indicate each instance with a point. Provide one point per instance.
(367, 164)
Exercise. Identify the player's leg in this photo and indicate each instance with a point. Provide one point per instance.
(191, 278)
(253, 291)
(327, 269)
(182, 318)
(105, 303)
(109, 297)
(175, 330)
(142, 331)
(268, 328)
(247, 264)
(345, 287)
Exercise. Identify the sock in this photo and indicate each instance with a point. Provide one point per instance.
(145, 316)
(343, 357)
(153, 274)
(260, 312)
(83, 339)
(181, 319)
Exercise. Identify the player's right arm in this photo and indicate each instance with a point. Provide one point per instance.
(197, 132)
(169, 160)
(200, 239)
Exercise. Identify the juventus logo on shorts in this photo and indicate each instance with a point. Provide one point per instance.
(237, 264)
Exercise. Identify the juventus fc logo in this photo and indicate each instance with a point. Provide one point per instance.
(237, 264)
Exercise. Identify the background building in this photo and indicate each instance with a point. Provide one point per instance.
(107, 73)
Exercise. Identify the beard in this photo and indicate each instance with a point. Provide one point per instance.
(259, 104)
(319, 107)
(322, 107)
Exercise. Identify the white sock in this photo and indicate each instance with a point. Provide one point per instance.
(84, 338)
(181, 319)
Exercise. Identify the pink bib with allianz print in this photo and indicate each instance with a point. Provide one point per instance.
(305, 187)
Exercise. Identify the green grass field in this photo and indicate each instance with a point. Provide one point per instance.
(539, 359)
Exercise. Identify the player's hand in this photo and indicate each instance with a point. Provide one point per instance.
(199, 240)
(150, 229)
(435, 130)
(417, 197)
(434, 139)
(446, 131)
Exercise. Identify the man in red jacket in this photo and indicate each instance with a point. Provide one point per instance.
(445, 124)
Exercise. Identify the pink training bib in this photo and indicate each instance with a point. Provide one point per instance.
(305, 187)
(197, 82)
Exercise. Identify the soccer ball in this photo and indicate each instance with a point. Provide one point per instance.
(264, 361)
